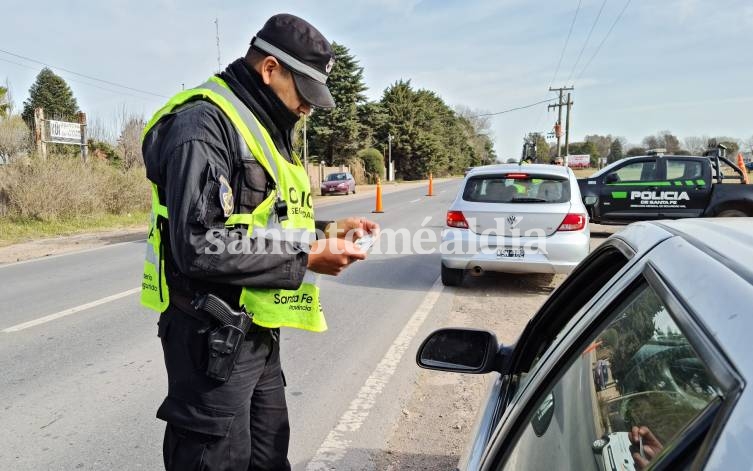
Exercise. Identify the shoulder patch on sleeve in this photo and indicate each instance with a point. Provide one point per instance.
(226, 196)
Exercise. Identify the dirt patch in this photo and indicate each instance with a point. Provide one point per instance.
(438, 418)
(60, 245)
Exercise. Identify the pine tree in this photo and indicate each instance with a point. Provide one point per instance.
(50, 92)
(615, 151)
(336, 134)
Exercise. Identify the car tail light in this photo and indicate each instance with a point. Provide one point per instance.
(517, 176)
(456, 219)
(573, 222)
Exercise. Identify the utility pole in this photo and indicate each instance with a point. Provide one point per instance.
(305, 146)
(567, 125)
(559, 106)
(217, 30)
(389, 167)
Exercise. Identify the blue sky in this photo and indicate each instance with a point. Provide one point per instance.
(682, 65)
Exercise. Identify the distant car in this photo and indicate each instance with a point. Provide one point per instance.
(749, 165)
(341, 182)
(515, 219)
(662, 307)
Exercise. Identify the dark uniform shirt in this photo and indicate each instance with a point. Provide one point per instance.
(186, 154)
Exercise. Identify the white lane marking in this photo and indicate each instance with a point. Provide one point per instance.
(74, 252)
(70, 311)
(336, 444)
(416, 200)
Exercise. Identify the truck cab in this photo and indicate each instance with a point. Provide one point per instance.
(648, 187)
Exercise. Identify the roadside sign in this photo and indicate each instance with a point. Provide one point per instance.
(579, 161)
(61, 130)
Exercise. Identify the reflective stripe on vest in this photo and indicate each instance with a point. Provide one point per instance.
(272, 308)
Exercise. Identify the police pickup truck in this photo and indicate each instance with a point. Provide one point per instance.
(666, 187)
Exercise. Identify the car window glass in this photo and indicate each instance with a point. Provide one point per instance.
(637, 171)
(622, 399)
(684, 170)
(498, 189)
(559, 311)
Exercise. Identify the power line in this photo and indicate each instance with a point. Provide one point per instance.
(514, 109)
(117, 92)
(564, 48)
(562, 54)
(82, 75)
(588, 38)
(598, 48)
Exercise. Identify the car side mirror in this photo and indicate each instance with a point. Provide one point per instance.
(611, 178)
(463, 351)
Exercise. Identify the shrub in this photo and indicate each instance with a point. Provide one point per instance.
(373, 163)
(63, 188)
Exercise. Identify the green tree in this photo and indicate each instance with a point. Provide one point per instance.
(542, 147)
(583, 148)
(373, 121)
(373, 163)
(635, 151)
(4, 102)
(615, 151)
(335, 134)
(603, 143)
(427, 135)
(49, 91)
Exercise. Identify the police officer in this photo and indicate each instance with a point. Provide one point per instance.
(230, 254)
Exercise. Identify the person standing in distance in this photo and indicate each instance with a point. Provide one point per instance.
(230, 253)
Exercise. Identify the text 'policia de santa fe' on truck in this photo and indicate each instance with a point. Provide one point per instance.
(658, 186)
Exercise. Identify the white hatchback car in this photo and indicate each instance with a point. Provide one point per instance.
(516, 219)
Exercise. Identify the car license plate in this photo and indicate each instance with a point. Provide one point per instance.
(511, 253)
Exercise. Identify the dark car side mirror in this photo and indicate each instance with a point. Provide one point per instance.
(463, 351)
(611, 178)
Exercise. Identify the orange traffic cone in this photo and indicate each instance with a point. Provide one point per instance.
(378, 208)
(741, 164)
(431, 186)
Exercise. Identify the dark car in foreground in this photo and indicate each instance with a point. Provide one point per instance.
(341, 182)
(660, 186)
(661, 312)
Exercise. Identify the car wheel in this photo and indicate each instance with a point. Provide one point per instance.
(324, 194)
(732, 213)
(599, 444)
(354, 190)
(452, 276)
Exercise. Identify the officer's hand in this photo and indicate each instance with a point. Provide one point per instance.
(352, 228)
(331, 256)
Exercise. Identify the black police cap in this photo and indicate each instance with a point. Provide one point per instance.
(304, 51)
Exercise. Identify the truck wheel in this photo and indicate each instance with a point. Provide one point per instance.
(452, 276)
(732, 213)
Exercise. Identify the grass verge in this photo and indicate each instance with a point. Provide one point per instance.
(15, 231)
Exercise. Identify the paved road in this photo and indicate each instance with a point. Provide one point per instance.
(80, 390)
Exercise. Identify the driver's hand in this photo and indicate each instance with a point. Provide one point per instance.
(651, 446)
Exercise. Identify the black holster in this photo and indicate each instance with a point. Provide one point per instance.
(224, 342)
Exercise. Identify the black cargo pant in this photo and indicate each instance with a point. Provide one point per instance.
(238, 425)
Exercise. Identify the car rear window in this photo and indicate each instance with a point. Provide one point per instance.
(506, 189)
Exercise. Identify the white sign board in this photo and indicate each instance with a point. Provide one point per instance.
(579, 160)
(63, 130)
